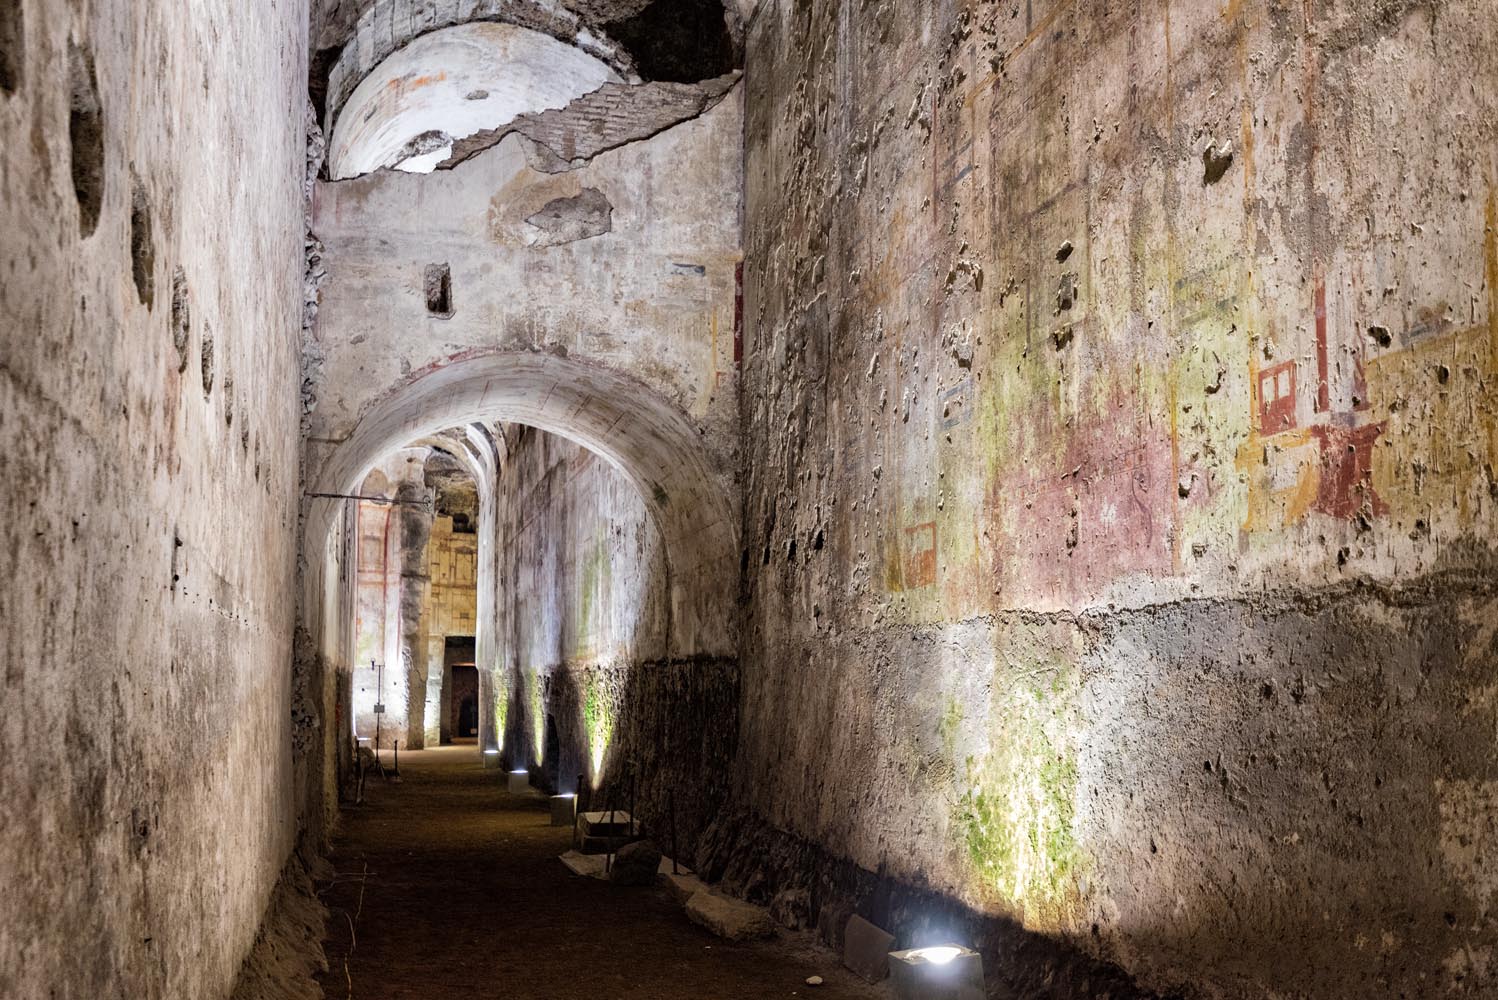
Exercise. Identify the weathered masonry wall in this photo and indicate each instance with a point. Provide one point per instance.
(583, 683)
(1119, 402)
(150, 303)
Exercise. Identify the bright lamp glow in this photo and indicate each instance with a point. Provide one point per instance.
(489, 753)
(939, 955)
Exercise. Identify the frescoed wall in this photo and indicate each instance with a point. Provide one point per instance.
(1138, 365)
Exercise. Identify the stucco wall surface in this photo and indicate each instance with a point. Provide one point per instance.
(582, 680)
(596, 298)
(150, 196)
(1119, 398)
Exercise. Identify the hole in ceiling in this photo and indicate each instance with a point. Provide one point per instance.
(677, 41)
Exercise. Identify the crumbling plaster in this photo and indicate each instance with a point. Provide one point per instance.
(447, 84)
(1119, 430)
(148, 387)
(623, 341)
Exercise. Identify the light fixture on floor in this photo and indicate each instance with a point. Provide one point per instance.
(563, 809)
(942, 972)
(491, 759)
(520, 782)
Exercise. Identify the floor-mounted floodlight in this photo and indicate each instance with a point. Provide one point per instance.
(563, 809)
(942, 972)
(491, 759)
(520, 782)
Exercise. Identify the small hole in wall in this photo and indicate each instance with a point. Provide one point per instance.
(142, 246)
(207, 359)
(86, 140)
(439, 290)
(181, 317)
(12, 45)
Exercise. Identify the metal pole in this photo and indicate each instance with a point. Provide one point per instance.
(577, 809)
(608, 853)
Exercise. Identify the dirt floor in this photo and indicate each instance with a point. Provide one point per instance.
(464, 898)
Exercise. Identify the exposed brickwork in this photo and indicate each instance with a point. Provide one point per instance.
(609, 117)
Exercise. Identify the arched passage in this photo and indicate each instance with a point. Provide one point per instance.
(644, 437)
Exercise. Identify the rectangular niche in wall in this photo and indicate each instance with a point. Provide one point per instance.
(439, 290)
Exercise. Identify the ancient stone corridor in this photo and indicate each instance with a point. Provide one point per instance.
(1004, 492)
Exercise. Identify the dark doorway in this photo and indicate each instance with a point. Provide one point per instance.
(465, 703)
(456, 683)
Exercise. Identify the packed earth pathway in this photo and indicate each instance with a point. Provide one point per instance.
(464, 898)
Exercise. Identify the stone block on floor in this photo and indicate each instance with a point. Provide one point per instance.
(605, 831)
(563, 810)
(636, 864)
(731, 919)
(683, 885)
(589, 865)
(866, 949)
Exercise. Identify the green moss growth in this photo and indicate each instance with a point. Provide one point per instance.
(538, 716)
(1016, 820)
(501, 710)
(598, 719)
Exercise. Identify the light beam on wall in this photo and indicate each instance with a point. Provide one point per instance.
(598, 721)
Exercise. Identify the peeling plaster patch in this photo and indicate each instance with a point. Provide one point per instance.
(422, 152)
(614, 115)
(410, 108)
(567, 220)
(1469, 836)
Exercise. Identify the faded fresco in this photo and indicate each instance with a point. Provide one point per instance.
(1120, 388)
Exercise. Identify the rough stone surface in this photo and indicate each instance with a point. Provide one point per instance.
(636, 864)
(287, 954)
(731, 919)
(791, 908)
(583, 684)
(147, 526)
(566, 220)
(1119, 421)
